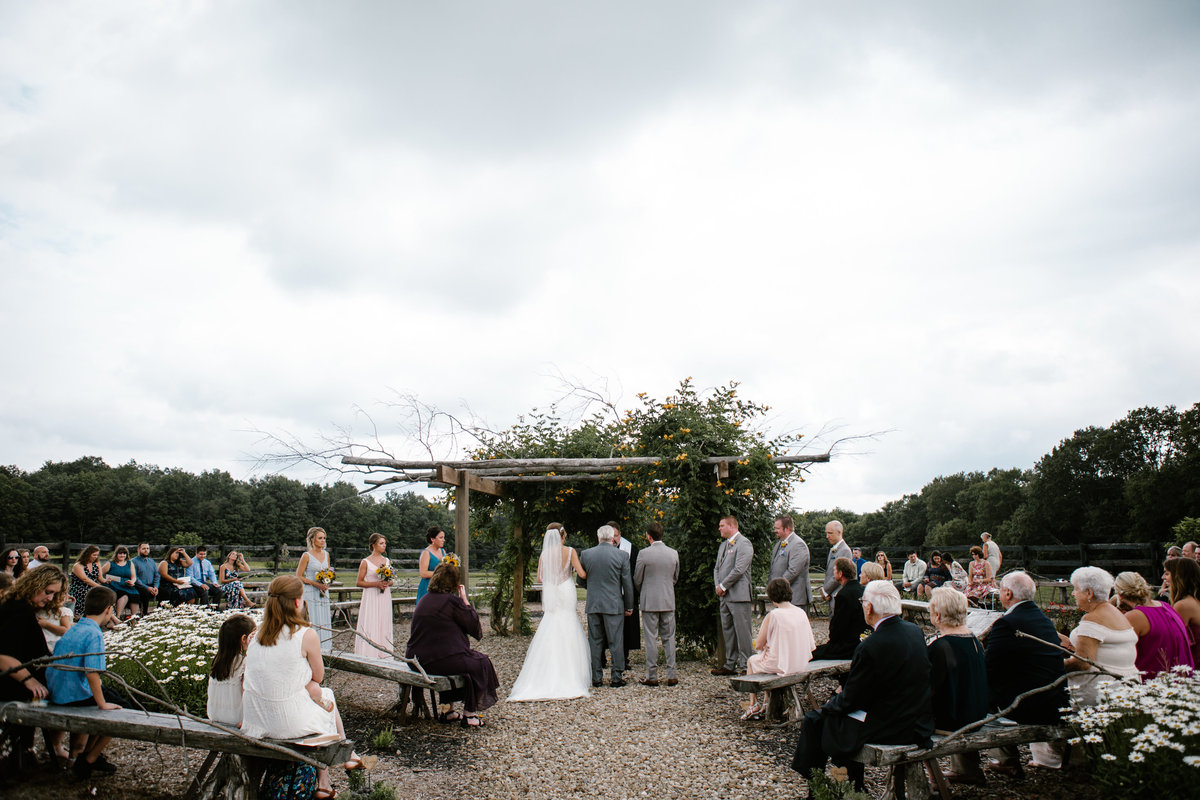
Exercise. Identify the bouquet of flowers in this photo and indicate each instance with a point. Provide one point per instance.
(451, 559)
(326, 576)
(385, 571)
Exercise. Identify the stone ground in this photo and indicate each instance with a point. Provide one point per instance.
(634, 742)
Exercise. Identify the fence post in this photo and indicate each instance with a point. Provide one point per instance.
(1025, 558)
(275, 559)
(1083, 554)
(66, 555)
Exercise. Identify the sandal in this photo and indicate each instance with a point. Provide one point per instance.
(472, 721)
(753, 712)
(325, 794)
(451, 716)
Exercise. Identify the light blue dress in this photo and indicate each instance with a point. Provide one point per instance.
(318, 602)
(423, 586)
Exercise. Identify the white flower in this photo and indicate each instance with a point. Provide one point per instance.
(1093, 738)
(1108, 757)
(1136, 757)
(1192, 761)
(1074, 740)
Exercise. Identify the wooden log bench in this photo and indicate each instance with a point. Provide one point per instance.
(405, 677)
(910, 764)
(795, 683)
(234, 775)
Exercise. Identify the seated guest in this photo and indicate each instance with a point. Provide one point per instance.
(441, 624)
(173, 578)
(85, 575)
(21, 640)
(230, 579)
(1164, 591)
(785, 641)
(958, 575)
(55, 618)
(117, 574)
(1182, 576)
(10, 563)
(204, 578)
(882, 560)
(914, 572)
(41, 555)
(980, 580)
(1163, 640)
(888, 681)
(85, 643)
(6, 582)
(1016, 664)
(846, 623)
(282, 696)
(145, 570)
(936, 575)
(225, 677)
(858, 560)
(871, 571)
(1103, 636)
(958, 675)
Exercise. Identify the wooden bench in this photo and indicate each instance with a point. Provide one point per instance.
(231, 778)
(406, 678)
(794, 682)
(1061, 588)
(910, 764)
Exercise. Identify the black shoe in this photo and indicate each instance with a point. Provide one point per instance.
(672, 681)
(103, 766)
(616, 684)
(81, 769)
(722, 671)
(597, 684)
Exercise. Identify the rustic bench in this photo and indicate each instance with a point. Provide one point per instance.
(405, 677)
(232, 778)
(794, 682)
(910, 764)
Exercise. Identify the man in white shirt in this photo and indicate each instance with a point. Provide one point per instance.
(41, 555)
(914, 571)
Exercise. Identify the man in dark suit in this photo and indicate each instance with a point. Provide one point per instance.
(846, 622)
(888, 683)
(609, 601)
(1015, 665)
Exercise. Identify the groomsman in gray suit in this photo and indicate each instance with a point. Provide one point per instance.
(837, 549)
(789, 560)
(609, 601)
(732, 579)
(655, 575)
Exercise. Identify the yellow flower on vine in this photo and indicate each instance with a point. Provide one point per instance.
(681, 457)
(685, 430)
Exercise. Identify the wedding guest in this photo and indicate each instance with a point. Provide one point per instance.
(1183, 578)
(24, 560)
(173, 577)
(316, 593)
(837, 549)
(1103, 636)
(230, 580)
(871, 571)
(991, 553)
(375, 607)
(85, 575)
(1164, 590)
(981, 579)
(846, 622)
(888, 680)
(84, 643)
(1163, 640)
(958, 575)
(882, 560)
(441, 623)
(914, 572)
(431, 556)
(937, 575)
(12, 563)
(958, 676)
(1191, 550)
(56, 617)
(6, 582)
(785, 641)
(1016, 664)
(204, 578)
(656, 575)
(282, 696)
(41, 555)
(229, 664)
(857, 558)
(790, 560)
(117, 574)
(145, 570)
(21, 641)
(731, 577)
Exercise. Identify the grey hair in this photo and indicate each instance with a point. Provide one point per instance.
(1020, 584)
(1094, 579)
(836, 525)
(605, 533)
(950, 605)
(985, 536)
(883, 597)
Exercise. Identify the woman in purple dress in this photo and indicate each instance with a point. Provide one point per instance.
(1163, 640)
(438, 639)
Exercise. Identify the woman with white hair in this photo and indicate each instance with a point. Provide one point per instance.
(1103, 636)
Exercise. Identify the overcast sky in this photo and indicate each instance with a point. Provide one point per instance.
(975, 225)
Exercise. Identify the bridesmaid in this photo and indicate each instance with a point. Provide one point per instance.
(375, 608)
(316, 594)
(431, 556)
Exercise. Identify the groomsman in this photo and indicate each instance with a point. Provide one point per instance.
(837, 549)
(655, 576)
(732, 579)
(789, 560)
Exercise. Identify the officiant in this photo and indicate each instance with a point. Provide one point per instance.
(633, 625)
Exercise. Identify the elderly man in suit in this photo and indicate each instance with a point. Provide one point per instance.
(609, 601)
(837, 549)
(888, 682)
(1016, 664)
(846, 621)
(655, 576)
(789, 560)
(732, 578)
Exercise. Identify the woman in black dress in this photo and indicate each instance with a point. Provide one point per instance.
(958, 673)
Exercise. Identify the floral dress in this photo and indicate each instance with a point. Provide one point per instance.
(233, 589)
(79, 589)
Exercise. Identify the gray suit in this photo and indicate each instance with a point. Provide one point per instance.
(733, 572)
(839, 550)
(655, 576)
(789, 560)
(609, 596)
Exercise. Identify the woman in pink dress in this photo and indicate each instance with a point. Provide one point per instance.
(375, 608)
(785, 641)
(980, 579)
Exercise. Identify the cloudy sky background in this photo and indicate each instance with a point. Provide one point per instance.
(973, 225)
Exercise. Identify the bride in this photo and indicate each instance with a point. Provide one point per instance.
(557, 664)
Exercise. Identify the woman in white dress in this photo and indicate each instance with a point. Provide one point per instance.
(557, 664)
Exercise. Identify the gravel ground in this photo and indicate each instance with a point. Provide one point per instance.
(634, 742)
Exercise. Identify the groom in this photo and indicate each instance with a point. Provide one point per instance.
(609, 601)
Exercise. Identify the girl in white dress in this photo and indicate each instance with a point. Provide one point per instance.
(557, 664)
(225, 677)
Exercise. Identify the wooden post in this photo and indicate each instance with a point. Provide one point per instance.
(462, 517)
(518, 600)
(66, 556)
(275, 559)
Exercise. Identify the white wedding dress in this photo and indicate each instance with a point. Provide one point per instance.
(558, 662)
